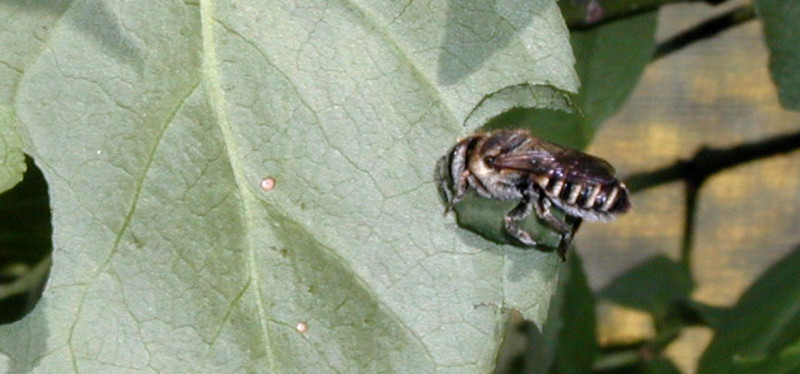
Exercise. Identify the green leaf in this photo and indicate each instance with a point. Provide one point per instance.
(782, 33)
(610, 60)
(708, 315)
(572, 322)
(12, 158)
(486, 218)
(761, 334)
(155, 124)
(567, 342)
(22, 38)
(653, 286)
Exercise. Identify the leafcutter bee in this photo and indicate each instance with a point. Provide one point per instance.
(513, 164)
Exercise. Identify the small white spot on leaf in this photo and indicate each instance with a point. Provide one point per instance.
(267, 184)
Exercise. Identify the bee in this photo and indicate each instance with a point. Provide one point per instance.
(513, 164)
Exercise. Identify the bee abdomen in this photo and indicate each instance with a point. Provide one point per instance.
(609, 198)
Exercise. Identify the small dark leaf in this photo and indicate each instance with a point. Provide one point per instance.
(761, 334)
(485, 218)
(610, 60)
(705, 314)
(573, 320)
(652, 286)
(568, 342)
(782, 33)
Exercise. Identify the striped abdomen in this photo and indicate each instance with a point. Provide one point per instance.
(587, 199)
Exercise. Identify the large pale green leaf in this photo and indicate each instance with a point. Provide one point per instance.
(12, 159)
(22, 33)
(155, 123)
(782, 34)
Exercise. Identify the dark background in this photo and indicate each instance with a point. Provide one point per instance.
(716, 93)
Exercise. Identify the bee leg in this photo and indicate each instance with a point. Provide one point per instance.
(519, 213)
(476, 184)
(443, 183)
(460, 186)
(459, 175)
(543, 211)
(566, 231)
(566, 238)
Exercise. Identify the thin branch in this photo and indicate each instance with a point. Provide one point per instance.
(616, 360)
(706, 29)
(585, 14)
(692, 191)
(708, 162)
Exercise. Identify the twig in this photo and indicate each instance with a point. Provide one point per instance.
(708, 162)
(585, 14)
(705, 30)
(690, 213)
(616, 360)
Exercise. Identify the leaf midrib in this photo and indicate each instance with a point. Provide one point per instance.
(215, 93)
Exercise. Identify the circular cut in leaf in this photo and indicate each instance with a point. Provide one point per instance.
(25, 244)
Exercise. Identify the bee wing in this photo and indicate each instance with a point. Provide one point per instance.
(579, 165)
(563, 162)
(533, 161)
